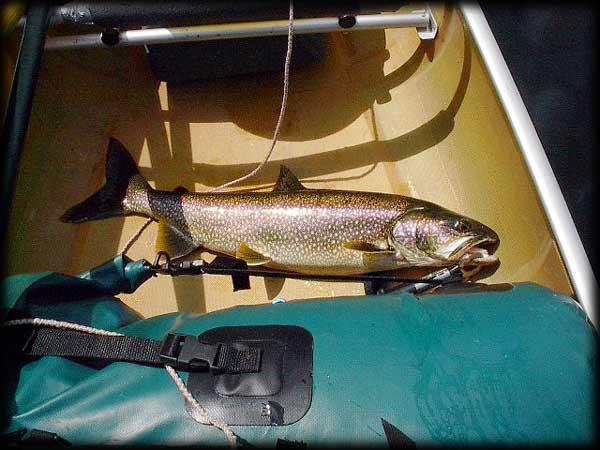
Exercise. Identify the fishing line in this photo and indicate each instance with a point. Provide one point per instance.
(136, 235)
(277, 132)
(196, 411)
(286, 79)
(483, 259)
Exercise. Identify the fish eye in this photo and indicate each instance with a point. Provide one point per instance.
(462, 226)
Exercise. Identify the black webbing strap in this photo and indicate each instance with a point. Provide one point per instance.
(75, 344)
(180, 351)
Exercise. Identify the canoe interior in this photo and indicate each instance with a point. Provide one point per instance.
(383, 112)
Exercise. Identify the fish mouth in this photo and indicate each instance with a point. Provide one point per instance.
(480, 253)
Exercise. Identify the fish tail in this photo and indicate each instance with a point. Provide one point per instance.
(122, 180)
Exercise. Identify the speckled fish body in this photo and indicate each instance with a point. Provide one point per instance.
(293, 228)
(303, 231)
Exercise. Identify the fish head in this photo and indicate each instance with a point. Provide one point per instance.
(430, 235)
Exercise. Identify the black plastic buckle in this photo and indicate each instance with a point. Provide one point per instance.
(184, 352)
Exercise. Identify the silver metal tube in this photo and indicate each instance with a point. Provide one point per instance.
(568, 240)
(420, 19)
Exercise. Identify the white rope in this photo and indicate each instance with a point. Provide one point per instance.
(197, 412)
(60, 324)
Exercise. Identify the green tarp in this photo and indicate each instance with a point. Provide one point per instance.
(514, 366)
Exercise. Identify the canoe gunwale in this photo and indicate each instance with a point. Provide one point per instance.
(561, 222)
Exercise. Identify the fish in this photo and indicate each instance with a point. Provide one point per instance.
(309, 231)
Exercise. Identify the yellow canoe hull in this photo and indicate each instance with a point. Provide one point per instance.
(383, 112)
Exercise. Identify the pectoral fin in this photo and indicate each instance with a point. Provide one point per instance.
(252, 258)
(287, 181)
(173, 241)
(372, 255)
(366, 247)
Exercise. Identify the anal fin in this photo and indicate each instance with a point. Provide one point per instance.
(273, 286)
(173, 241)
(252, 257)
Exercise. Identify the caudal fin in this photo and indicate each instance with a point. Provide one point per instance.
(108, 201)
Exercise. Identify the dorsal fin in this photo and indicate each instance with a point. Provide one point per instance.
(287, 181)
(180, 190)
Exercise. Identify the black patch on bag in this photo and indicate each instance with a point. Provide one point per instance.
(279, 394)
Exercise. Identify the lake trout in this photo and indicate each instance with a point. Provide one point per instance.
(312, 231)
